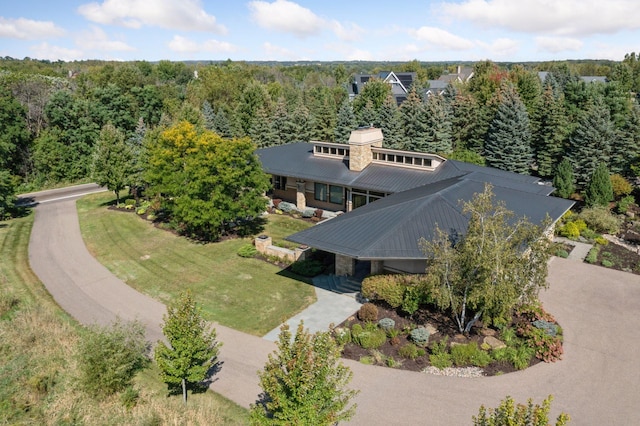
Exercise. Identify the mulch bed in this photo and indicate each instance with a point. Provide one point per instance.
(446, 329)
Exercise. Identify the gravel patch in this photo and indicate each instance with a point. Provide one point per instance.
(455, 372)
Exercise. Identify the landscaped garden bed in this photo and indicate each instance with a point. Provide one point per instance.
(385, 336)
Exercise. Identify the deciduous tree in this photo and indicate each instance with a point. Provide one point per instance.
(487, 271)
(510, 414)
(109, 357)
(112, 161)
(192, 350)
(304, 382)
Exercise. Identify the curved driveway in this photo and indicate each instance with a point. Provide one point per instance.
(597, 383)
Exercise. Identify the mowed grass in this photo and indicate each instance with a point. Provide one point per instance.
(38, 372)
(245, 294)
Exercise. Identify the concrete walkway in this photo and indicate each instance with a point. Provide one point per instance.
(330, 308)
(597, 383)
(580, 250)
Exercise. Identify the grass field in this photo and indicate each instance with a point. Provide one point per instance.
(245, 294)
(38, 371)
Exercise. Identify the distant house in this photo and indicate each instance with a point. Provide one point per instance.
(542, 75)
(437, 87)
(390, 198)
(400, 83)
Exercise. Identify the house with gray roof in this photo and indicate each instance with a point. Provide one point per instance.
(400, 83)
(390, 198)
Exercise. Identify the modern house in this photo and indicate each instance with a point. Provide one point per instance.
(390, 198)
(400, 83)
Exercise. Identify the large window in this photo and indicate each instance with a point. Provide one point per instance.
(331, 193)
(280, 182)
(320, 192)
(336, 194)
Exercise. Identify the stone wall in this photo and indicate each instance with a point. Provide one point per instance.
(264, 246)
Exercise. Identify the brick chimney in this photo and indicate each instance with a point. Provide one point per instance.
(360, 143)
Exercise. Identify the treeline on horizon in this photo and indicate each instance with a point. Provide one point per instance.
(505, 116)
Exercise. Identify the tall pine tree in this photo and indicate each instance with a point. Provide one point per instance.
(412, 120)
(590, 143)
(549, 132)
(509, 136)
(438, 126)
(389, 122)
(627, 147)
(345, 122)
(599, 191)
(563, 179)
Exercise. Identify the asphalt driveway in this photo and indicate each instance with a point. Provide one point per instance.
(597, 383)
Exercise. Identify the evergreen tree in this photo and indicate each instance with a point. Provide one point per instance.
(438, 126)
(389, 122)
(209, 116)
(221, 124)
(304, 382)
(563, 179)
(279, 122)
(345, 122)
(261, 132)
(627, 148)
(412, 121)
(509, 136)
(599, 191)
(192, 349)
(468, 126)
(300, 125)
(590, 143)
(367, 115)
(322, 110)
(550, 132)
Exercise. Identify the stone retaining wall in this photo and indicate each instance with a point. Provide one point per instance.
(264, 246)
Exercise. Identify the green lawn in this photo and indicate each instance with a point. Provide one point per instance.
(38, 372)
(245, 294)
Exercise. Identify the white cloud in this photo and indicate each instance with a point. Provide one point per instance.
(441, 39)
(289, 17)
(501, 47)
(559, 17)
(97, 39)
(185, 45)
(286, 16)
(186, 15)
(279, 52)
(54, 53)
(558, 44)
(348, 31)
(28, 29)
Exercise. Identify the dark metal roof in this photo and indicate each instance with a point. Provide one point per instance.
(391, 227)
(421, 200)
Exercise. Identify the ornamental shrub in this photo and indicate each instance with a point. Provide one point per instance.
(562, 253)
(508, 413)
(342, 335)
(368, 312)
(388, 288)
(469, 354)
(308, 212)
(623, 205)
(592, 256)
(369, 337)
(600, 220)
(286, 207)
(550, 328)
(569, 230)
(620, 186)
(411, 351)
(420, 336)
(386, 324)
(247, 250)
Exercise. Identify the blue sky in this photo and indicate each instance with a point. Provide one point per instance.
(395, 30)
